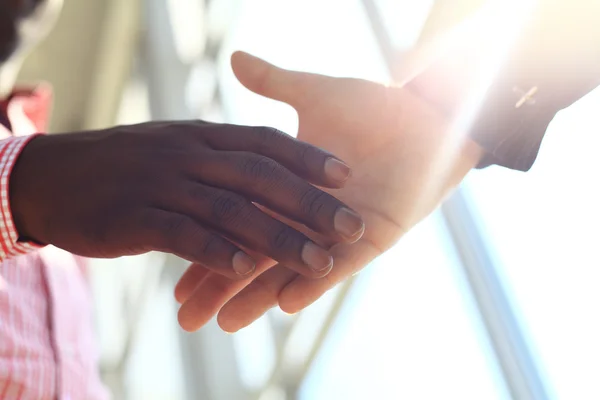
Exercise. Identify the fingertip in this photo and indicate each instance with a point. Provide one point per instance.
(349, 224)
(266, 79)
(187, 317)
(337, 171)
(236, 58)
(290, 312)
(243, 56)
(328, 184)
(243, 265)
(289, 307)
(240, 53)
(184, 322)
(178, 296)
(181, 291)
(317, 259)
(237, 53)
(227, 325)
(189, 281)
(247, 68)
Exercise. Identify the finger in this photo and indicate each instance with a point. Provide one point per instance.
(321, 240)
(240, 221)
(180, 235)
(255, 299)
(266, 182)
(189, 281)
(267, 80)
(305, 160)
(197, 273)
(350, 259)
(210, 295)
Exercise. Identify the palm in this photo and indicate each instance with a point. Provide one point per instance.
(363, 123)
(403, 160)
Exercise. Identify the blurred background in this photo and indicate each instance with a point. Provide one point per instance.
(495, 296)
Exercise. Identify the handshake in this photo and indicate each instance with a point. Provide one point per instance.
(264, 218)
(404, 157)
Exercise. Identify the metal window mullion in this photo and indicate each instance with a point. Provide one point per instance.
(514, 357)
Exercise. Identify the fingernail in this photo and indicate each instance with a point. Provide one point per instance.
(242, 264)
(349, 224)
(316, 258)
(337, 170)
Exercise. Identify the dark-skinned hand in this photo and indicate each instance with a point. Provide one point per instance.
(187, 188)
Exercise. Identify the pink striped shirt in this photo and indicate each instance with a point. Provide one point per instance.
(47, 343)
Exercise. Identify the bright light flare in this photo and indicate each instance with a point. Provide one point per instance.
(455, 71)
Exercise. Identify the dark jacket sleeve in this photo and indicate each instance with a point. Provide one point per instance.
(555, 61)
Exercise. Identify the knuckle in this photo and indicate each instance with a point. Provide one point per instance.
(164, 231)
(198, 192)
(267, 135)
(305, 154)
(174, 225)
(282, 240)
(313, 201)
(227, 208)
(209, 245)
(259, 168)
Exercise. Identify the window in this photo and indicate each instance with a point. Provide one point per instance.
(542, 228)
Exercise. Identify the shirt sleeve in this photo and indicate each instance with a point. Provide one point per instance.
(555, 62)
(10, 246)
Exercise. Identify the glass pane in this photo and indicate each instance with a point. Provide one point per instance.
(543, 229)
(403, 20)
(409, 331)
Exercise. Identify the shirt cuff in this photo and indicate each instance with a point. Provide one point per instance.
(10, 246)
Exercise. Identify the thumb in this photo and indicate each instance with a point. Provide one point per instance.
(267, 80)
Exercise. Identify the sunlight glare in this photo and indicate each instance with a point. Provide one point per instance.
(492, 31)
